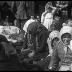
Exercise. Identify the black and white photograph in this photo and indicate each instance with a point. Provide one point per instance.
(36, 35)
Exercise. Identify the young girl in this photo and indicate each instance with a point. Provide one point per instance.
(45, 12)
(48, 19)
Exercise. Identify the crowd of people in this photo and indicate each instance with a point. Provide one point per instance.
(44, 44)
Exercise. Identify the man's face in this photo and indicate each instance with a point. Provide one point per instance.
(66, 39)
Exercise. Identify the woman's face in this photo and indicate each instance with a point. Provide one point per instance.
(66, 39)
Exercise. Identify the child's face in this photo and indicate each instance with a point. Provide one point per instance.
(54, 41)
(66, 39)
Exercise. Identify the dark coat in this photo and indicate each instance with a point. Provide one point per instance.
(37, 29)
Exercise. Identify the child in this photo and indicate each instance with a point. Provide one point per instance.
(62, 55)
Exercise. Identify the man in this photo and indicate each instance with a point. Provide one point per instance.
(62, 56)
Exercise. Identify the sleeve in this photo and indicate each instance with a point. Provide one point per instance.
(49, 46)
(42, 19)
(25, 27)
(54, 63)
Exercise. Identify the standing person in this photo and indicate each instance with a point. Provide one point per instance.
(61, 59)
(48, 19)
(21, 13)
(44, 13)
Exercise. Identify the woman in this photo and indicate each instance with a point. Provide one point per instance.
(48, 19)
(45, 12)
(62, 55)
(21, 11)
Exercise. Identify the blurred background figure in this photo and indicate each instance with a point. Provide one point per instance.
(7, 12)
(47, 16)
(6, 22)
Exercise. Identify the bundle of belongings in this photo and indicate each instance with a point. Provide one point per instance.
(12, 33)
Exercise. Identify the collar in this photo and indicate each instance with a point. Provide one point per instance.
(70, 47)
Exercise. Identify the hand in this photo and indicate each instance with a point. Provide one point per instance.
(31, 54)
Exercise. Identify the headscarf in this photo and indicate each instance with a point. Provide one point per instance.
(54, 34)
(65, 29)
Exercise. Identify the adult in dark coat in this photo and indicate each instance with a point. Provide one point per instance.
(39, 35)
